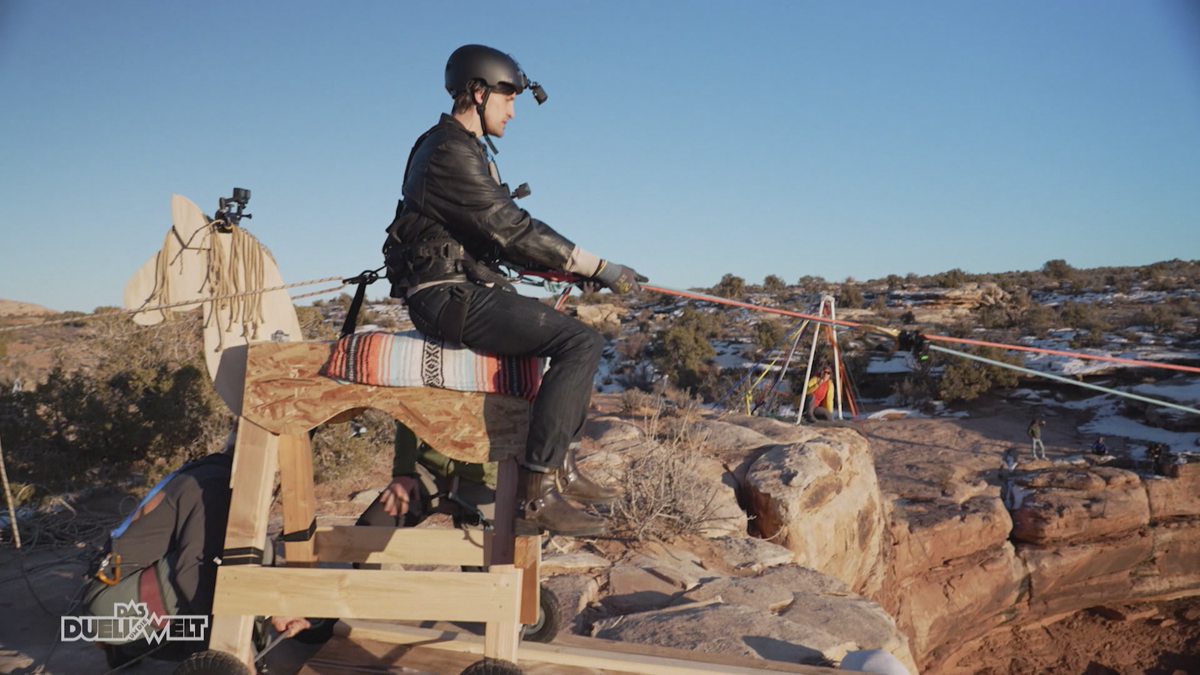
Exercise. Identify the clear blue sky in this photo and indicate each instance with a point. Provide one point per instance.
(686, 139)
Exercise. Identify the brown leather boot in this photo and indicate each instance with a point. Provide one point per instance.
(574, 484)
(545, 507)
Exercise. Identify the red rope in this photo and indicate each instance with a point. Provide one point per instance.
(562, 276)
(1041, 350)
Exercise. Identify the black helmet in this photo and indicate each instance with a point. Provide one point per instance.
(491, 66)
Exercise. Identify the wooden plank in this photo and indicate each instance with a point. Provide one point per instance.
(255, 461)
(375, 594)
(528, 557)
(285, 393)
(501, 637)
(574, 650)
(296, 491)
(340, 656)
(405, 546)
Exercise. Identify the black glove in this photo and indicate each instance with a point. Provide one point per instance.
(619, 278)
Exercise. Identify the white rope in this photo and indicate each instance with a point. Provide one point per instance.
(1035, 373)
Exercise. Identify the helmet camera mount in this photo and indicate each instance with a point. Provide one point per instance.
(229, 214)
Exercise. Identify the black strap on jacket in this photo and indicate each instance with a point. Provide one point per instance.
(363, 280)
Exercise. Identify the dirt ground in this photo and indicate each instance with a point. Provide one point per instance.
(1153, 639)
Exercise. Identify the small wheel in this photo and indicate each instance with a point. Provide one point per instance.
(320, 632)
(552, 618)
(493, 667)
(212, 663)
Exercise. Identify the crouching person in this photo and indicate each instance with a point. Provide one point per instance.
(164, 554)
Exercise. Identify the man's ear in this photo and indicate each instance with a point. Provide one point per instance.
(478, 97)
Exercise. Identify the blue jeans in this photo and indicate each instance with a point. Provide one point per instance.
(511, 324)
(1037, 443)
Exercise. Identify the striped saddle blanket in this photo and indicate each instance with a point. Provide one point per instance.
(412, 359)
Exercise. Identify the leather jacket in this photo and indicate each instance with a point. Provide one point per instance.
(456, 214)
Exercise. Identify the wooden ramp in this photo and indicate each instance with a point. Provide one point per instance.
(386, 648)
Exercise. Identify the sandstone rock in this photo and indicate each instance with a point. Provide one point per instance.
(1073, 504)
(1171, 497)
(365, 497)
(720, 628)
(727, 517)
(599, 316)
(633, 589)
(928, 534)
(680, 568)
(776, 430)
(1069, 578)
(771, 590)
(715, 435)
(610, 431)
(574, 591)
(1172, 566)
(748, 591)
(751, 553)
(957, 602)
(852, 618)
(572, 563)
(821, 500)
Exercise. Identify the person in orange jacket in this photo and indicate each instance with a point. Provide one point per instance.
(818, 395)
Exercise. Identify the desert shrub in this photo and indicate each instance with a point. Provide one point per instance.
(1093, 337)
(144, 407)
(638, 402)
(680, 352)
(894, 282)
(1180, 305)
(633, 346)
(730, 287)
(1058, 270)
(767, 332)
(773, 284)
(341, 451)
(850, 297)
(810, 284)
(994, 316)
(954, 278)
(1081, 315)
(313, 324)
(666, 494)
(1035, 318)
(908, 317)
(1158, 317)
(918, 387)
(965, 379)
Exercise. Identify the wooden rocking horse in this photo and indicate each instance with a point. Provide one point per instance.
(272, 381)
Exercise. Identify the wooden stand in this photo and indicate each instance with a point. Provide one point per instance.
(284, 398)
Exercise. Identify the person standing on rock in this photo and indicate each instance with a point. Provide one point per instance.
(1099, 448)
(456, 224)
(1035, 435)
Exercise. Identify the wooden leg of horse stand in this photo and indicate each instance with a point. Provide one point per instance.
(501, 637)
(299, 503)
(255, 461)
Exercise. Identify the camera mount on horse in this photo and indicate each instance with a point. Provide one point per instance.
(227, 217)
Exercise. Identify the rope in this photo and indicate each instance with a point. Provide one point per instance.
(1042, 350)
(155, 308)
(893, 333)
(1087, 385)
